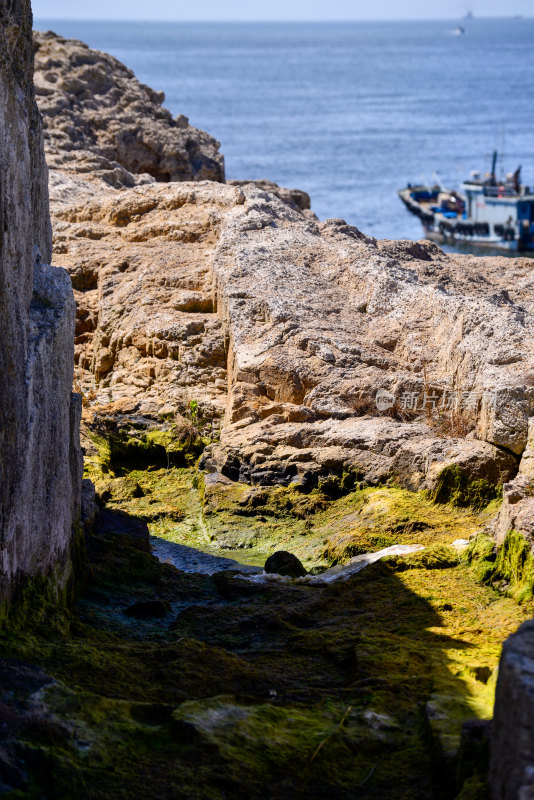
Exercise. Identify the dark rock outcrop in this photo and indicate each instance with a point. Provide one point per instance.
(284, 563)
(40, 458)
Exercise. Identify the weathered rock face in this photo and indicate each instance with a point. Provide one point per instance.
(237, 298)
(100, 120)
(147, 323)
(512, 761)
(40, 461)
(294, 198)
(289, 328)
(517, 510)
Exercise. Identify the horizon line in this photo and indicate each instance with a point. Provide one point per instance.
(517, 17)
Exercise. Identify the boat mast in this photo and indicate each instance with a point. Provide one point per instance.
(494, 168)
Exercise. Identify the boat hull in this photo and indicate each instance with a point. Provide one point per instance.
(485, 243)
(439, 228)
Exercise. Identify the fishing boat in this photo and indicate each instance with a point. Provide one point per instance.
(486, 211)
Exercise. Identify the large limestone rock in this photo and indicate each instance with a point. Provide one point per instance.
(287, 329)
(282, 327)
(512, 751)
(99, 120)
(40, 460)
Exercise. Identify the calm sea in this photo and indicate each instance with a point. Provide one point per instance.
(348, 112)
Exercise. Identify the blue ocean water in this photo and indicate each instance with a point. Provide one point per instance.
(349, 112)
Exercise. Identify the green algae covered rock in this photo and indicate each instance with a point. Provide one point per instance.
(308, 691)
(514, 567)
(458, 488)
(436, 557)
(481, 555)
(509, 568)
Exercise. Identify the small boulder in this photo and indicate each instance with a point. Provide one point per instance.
(148, 609)
(284, 563)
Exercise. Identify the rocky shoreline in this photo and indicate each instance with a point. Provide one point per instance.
(258, 387)
(283, 327)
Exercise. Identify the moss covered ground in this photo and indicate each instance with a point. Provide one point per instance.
(243, 690)
(251, 522)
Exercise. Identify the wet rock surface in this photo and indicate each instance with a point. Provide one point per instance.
(190, 559)
(148, 609)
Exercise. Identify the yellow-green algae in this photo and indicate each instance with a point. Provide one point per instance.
(257, 521)
(509, 568)
(248, 682)
(118, 453)
(514, 566)
(454, 486)
(249, 691)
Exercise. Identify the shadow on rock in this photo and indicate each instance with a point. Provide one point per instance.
(241, 690)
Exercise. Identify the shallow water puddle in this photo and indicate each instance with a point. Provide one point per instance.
(190, 559)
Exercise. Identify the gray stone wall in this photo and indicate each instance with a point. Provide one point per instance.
(512, 748)
(40, 459)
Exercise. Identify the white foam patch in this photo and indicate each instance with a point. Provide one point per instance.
(341, 572)
(460, 544)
